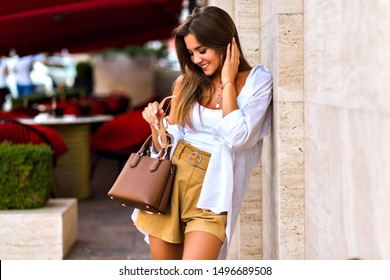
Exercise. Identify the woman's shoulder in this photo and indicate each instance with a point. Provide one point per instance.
(260, 70)
(258, 83)
(178, 84)
(179, 79)
(258, 76)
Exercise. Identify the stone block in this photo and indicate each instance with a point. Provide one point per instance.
(290, 52)
(251, 219)
(347, 158)
(292, 226)
(290, 6)
(44, 233)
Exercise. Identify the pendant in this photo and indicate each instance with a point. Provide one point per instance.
(218, 100)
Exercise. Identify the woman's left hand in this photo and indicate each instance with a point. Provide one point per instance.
(230, 66)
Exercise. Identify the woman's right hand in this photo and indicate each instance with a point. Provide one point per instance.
(152, 114)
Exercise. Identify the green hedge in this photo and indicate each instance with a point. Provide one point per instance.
(25, 175)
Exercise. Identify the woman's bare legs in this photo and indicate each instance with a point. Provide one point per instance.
(162, 250)
(199, 245)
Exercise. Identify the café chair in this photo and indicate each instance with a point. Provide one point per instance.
(19, 113)
(116, 103)
(18, 133)
(15, 132)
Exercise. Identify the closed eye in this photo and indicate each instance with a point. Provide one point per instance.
(201, 51)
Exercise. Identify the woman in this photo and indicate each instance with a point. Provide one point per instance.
(219, 114)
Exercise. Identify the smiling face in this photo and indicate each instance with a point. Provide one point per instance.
(206, 58)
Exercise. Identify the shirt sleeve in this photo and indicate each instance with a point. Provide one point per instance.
(244, 127)
(177, 133)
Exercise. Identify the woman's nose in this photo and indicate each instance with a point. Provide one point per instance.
(197, 59)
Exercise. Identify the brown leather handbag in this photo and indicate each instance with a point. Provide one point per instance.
(144, 182)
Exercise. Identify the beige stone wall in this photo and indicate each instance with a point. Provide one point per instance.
(322, 189)
(347, 129)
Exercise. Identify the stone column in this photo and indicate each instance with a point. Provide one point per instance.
(283, 154)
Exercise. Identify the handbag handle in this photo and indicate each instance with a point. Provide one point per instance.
(164, 139)
(134, 162)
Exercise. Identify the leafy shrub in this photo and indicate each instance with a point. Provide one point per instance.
(25, 175)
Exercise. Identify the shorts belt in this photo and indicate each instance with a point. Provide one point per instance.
(194, 156)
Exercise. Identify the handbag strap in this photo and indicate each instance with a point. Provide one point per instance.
(164, 139)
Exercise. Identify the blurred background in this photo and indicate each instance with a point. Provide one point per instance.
(95, 47)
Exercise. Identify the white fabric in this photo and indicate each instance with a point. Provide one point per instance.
(239, 137)
(3, 65)
(23, 68)
(200, 136)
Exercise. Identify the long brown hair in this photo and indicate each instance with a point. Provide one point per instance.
(213, 28)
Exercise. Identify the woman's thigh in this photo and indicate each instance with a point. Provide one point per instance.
(162, 250)
(200, 245)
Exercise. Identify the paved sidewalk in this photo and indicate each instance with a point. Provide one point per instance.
(105, 227)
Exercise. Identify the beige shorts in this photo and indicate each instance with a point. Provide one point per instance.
(183, 216)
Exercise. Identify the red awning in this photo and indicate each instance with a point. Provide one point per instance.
(35, 26)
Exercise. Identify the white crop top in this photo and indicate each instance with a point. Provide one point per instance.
(203, 120)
